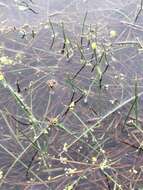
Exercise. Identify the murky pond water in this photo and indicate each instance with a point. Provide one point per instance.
(71, 94)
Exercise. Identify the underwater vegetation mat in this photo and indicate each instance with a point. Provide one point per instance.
(71, 99)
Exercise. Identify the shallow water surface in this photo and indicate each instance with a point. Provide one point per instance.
(71, 94)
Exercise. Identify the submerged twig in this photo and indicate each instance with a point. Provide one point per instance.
(79, 71)
(72, 97)
(65, 42)
(72, 103)
(94, 55)
(83, 25)
(84, 64)
(29, 8)
(135, 102)
(70, 82)
(107, 180)
(132, 145)
(18, 86)
(31, 1)
(53, 35)
(126, 43)
(30, 164)
(20, 122)
(104, 117)
(33, 34)
(88, 41)
(101, 78)
(106, 67)
(24, 135)
(139, 11)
